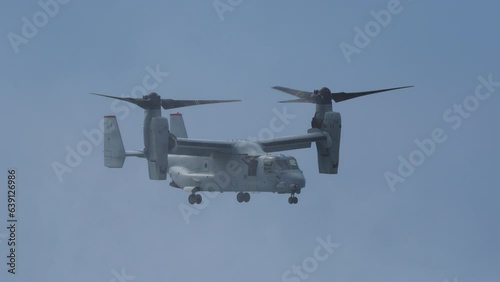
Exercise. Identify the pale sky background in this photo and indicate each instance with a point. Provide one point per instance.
(441, 223)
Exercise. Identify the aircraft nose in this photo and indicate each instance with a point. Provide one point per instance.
(291, 180)
(297, 179)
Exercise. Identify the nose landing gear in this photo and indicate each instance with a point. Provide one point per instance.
(293, 199)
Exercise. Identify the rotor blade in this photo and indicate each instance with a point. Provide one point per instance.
(297, 101)
(130, 100)
(137, 101)
(297, 93)
(172, 104)
(342, 96)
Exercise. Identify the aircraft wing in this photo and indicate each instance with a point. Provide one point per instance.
(293, 142)
(200, 147)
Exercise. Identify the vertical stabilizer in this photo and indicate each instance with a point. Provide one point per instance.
(177, 126)
(114, 151)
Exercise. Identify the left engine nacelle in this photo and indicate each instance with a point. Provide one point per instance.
(157, 151)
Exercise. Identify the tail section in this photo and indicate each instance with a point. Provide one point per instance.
(114, 151)
(177, 126)
(156, 151)
(158, 140)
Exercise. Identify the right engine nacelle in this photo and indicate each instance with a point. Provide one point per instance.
(157, 150)
(328, 151)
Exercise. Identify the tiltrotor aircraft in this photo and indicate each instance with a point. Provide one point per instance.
(240, 166)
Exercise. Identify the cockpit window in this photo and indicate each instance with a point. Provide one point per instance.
(293, 163)
(279, 163)
(283, 164)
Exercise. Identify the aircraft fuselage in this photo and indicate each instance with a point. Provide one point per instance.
(236, 173)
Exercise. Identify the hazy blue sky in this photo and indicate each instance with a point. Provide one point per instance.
(441, 223)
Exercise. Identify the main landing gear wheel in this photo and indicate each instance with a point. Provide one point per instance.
(293, 199)
(194, 199)
(243, 197)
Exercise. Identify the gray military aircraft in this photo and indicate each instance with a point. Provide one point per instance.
(240, 166)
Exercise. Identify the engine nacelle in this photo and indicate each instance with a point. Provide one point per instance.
(158, 148)
(328, 151)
